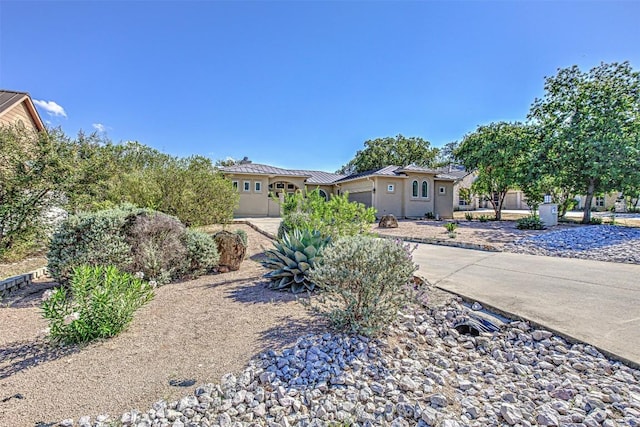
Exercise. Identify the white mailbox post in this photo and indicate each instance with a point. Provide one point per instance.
(548, 212)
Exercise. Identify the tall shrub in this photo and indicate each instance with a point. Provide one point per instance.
(365, 281)
(333, 218)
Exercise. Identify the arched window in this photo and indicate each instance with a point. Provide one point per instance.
(425, 189)
(414, 192)
(323, 193)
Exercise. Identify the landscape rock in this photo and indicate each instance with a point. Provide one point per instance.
(388, 221)
(232, 250)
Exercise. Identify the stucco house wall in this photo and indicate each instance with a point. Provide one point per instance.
(418, 206)
(388, 197)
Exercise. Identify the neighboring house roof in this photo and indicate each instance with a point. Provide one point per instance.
(455, 174)
(11, 98)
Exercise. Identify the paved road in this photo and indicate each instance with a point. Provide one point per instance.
(591, 301)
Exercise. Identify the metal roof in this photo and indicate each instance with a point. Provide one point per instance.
(258, 169)
(327, 178)
(312, 177)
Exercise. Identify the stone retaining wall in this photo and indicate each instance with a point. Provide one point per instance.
(21, 281)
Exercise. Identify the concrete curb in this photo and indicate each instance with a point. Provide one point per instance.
(442, 242)
(18, 282)
(255, 227)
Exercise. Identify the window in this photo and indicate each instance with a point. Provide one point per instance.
(291, 187)
(442, 190)
(390, 188)
(323, 193)
(600, 202)
(414, 189)
(235, 185)
(463, 202)
(280, 185)
(246, 186)
(425, 189)
(258, 186)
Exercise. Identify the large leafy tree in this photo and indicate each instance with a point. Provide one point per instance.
(401, 151)
(497, 152)
(590, 128)
(33, 170)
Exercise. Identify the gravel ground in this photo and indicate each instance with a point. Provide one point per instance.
(423, 373)
(598, 242)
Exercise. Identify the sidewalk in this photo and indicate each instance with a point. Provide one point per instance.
(591, 301)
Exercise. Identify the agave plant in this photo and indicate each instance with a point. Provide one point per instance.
(292, 259)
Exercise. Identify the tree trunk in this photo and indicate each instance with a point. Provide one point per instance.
(586, 218)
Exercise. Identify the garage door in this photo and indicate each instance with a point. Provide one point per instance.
(364, 197)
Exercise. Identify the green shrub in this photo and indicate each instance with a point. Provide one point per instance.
(202, 252)
(129, 238)
(365, 281)
(295, 220)
(483, 218)
(243, 236)
(333, 218)
(451, 226)
(531, 222)
(595, 220)
(292, 260)
(99, 303)
(92, 239)
(468, 216)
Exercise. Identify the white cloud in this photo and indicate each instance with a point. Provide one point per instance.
(51, 107)
(99, 127)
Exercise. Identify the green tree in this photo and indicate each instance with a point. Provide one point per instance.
(189, 188)
(496, 152)
(590, 127)
(401, 151)
(446, 154)
(32, 173)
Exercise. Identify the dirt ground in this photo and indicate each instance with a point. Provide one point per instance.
(193, 331)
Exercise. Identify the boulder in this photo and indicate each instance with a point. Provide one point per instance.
(231, 249)
(388, 221)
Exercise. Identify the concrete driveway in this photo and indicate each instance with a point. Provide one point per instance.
(591, 301)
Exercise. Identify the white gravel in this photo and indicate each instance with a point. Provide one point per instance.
(598, 242)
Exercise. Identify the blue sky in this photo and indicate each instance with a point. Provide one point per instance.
(298, 84)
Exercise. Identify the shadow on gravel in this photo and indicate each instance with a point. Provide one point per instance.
(287, 333)
(21, 355)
